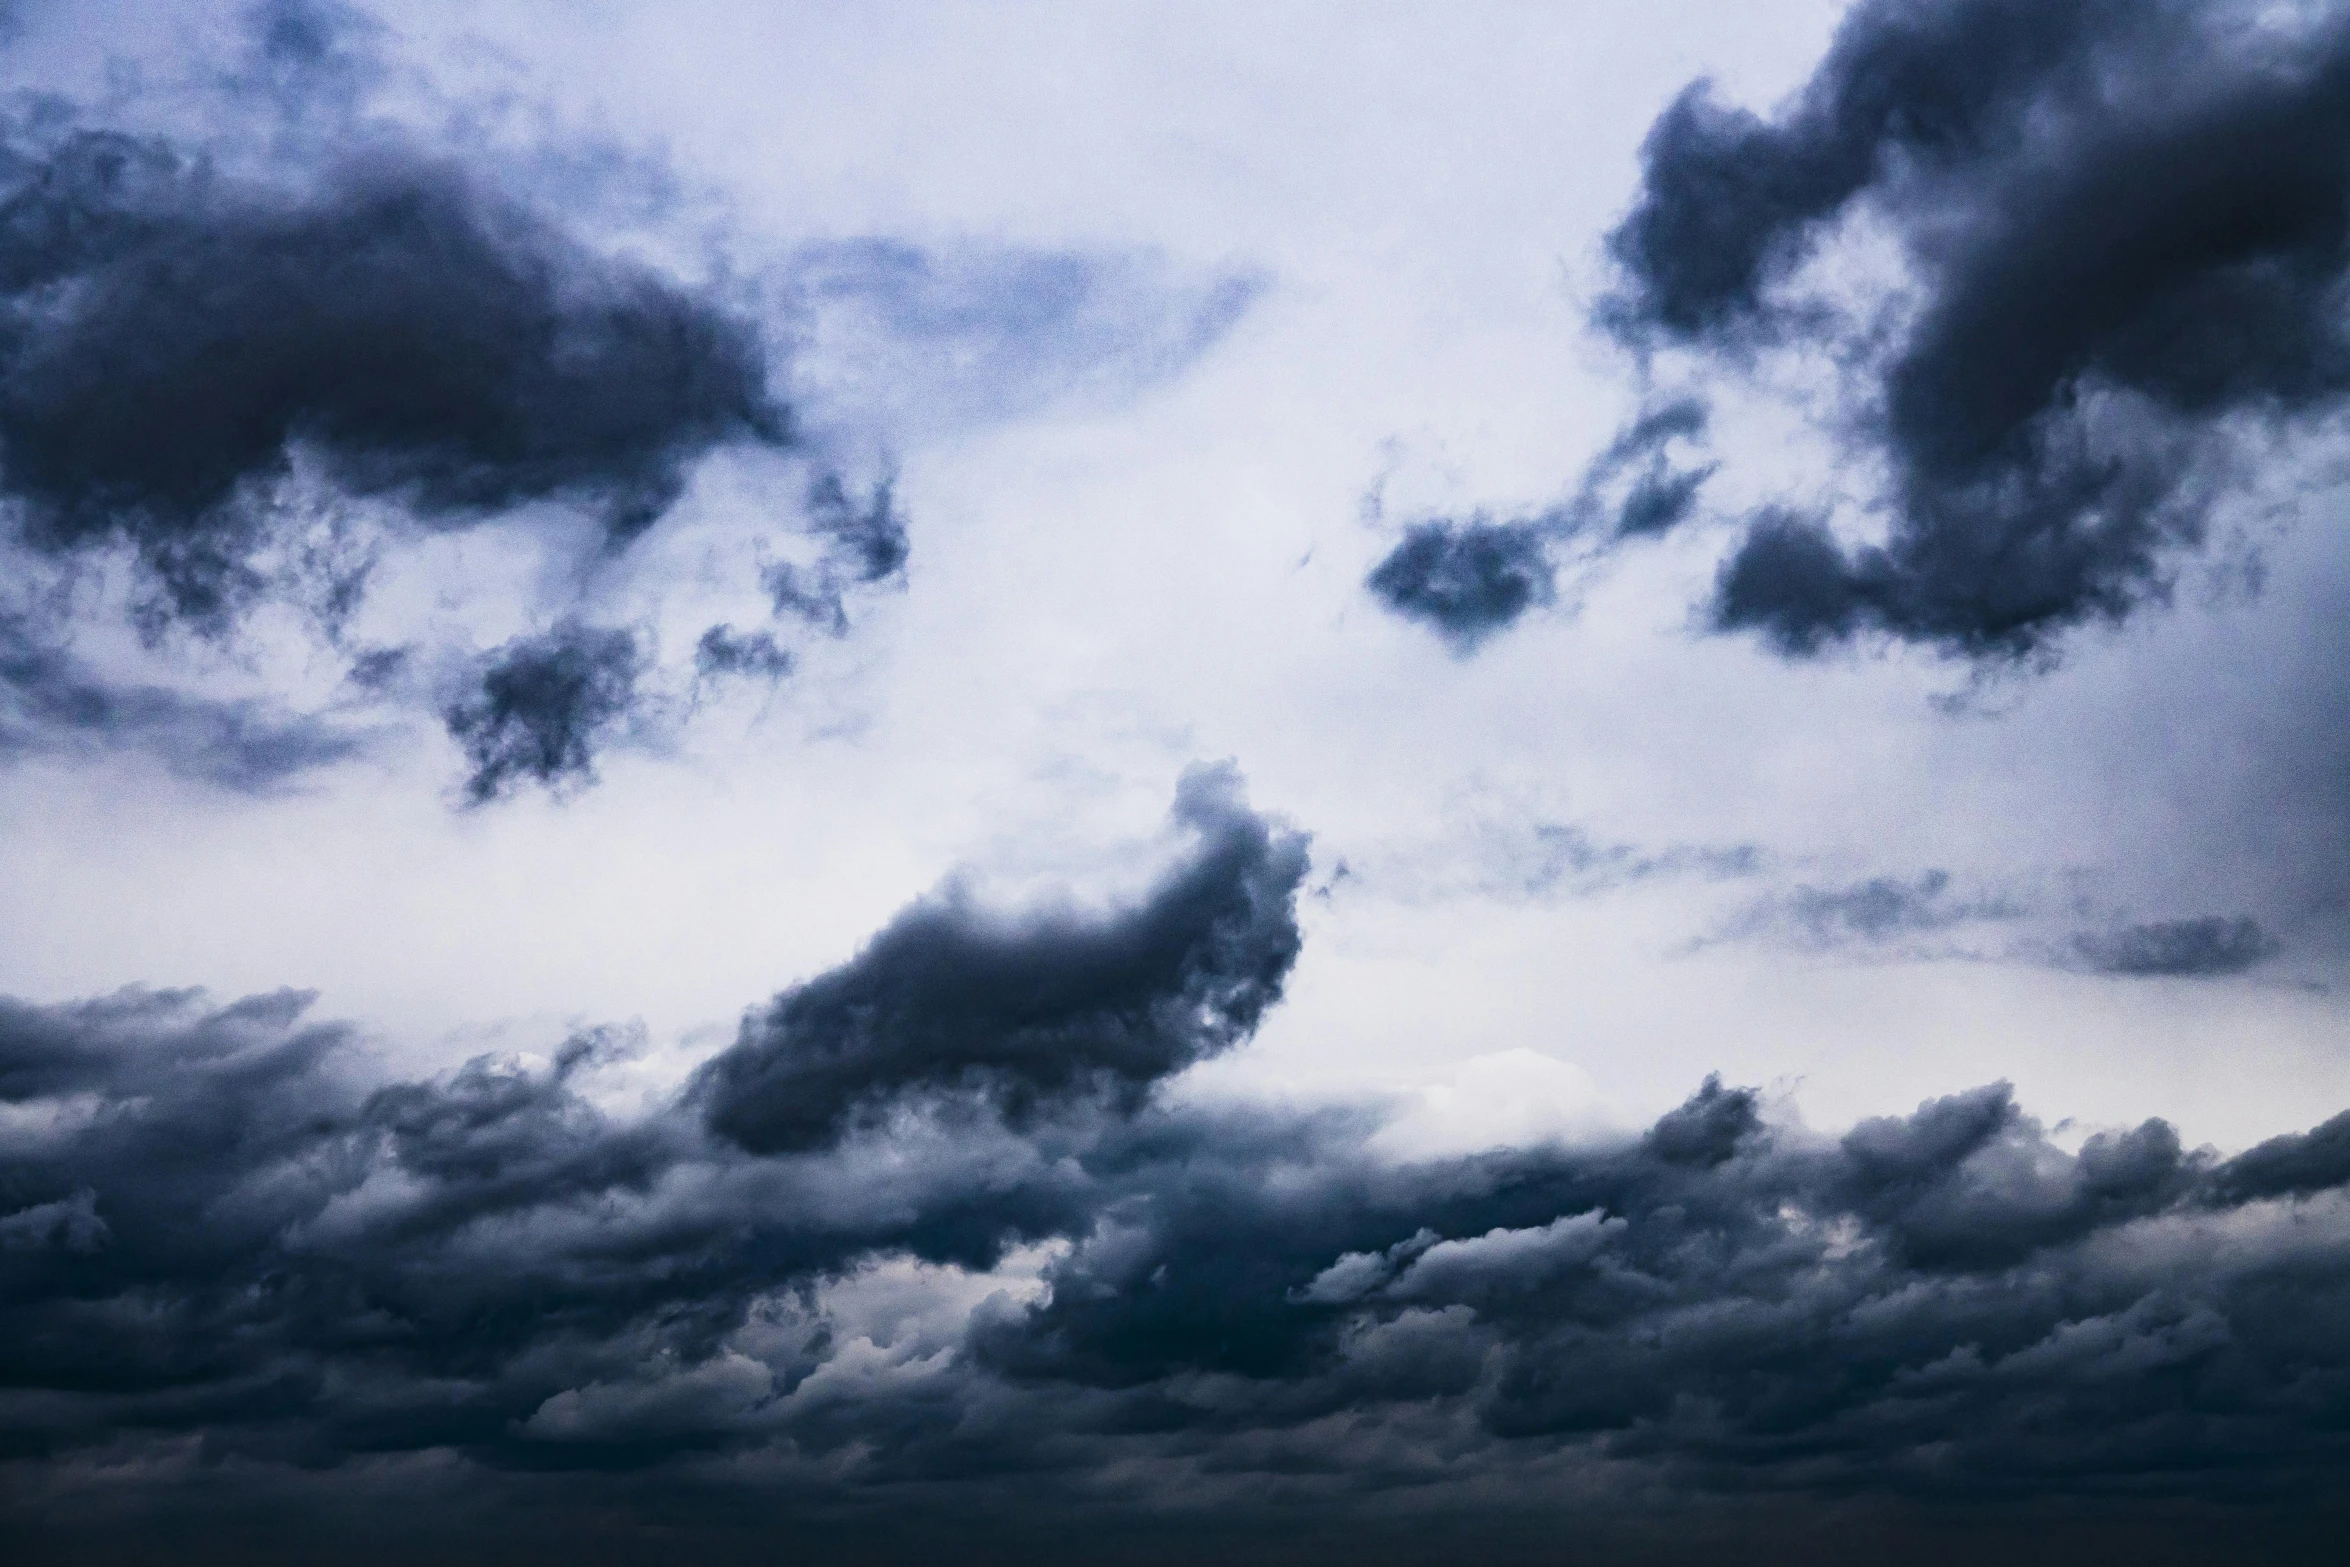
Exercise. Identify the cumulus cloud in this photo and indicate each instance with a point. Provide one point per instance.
(2127, 227)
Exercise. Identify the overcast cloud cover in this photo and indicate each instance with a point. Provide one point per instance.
(1326, 783)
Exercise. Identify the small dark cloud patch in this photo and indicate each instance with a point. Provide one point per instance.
(2188, 948)
(1469, 580)
(1639, 480)
(1466, 580)
(1874, 912)
(1659, 500)
(863, 544)
(724, 651)
(542, 706)
(1875, 909)
(947, 1001)
(2128, 230)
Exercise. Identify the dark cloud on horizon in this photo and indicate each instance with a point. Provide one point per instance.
(541, 706)
(214, 1226)
(2128, 226)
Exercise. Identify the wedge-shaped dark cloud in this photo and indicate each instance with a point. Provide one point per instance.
(542, 706)
(2211, 944)
(173, 344)
(52, 703)
(947, 1001)
(2128, 229)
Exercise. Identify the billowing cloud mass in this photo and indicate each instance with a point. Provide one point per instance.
(215, 1225)
(2127, 228)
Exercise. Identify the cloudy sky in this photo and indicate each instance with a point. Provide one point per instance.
(1306, 780)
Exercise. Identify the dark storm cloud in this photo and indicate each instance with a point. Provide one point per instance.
(2129, 230)
(2211, 944)
(923, 1230)
(945, 1002)
(1468, 580)
(541, 706)
(52, 703)
(170, 342)
(211, 1222)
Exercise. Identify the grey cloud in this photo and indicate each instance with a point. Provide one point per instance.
(2208, 945)
(1503, 855)
(543, 705)
(2293, 1165)
(943, 1001)
(864, 544)
(52, 703)
(212, 1226)
(173, 341)
(1873, 911)
(922, 340)
(1469, 580)
(722, 650)
(2129, 226)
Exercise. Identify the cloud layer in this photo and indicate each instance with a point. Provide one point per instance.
(215, 1227)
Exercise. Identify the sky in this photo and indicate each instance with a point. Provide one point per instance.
(1322, 781)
